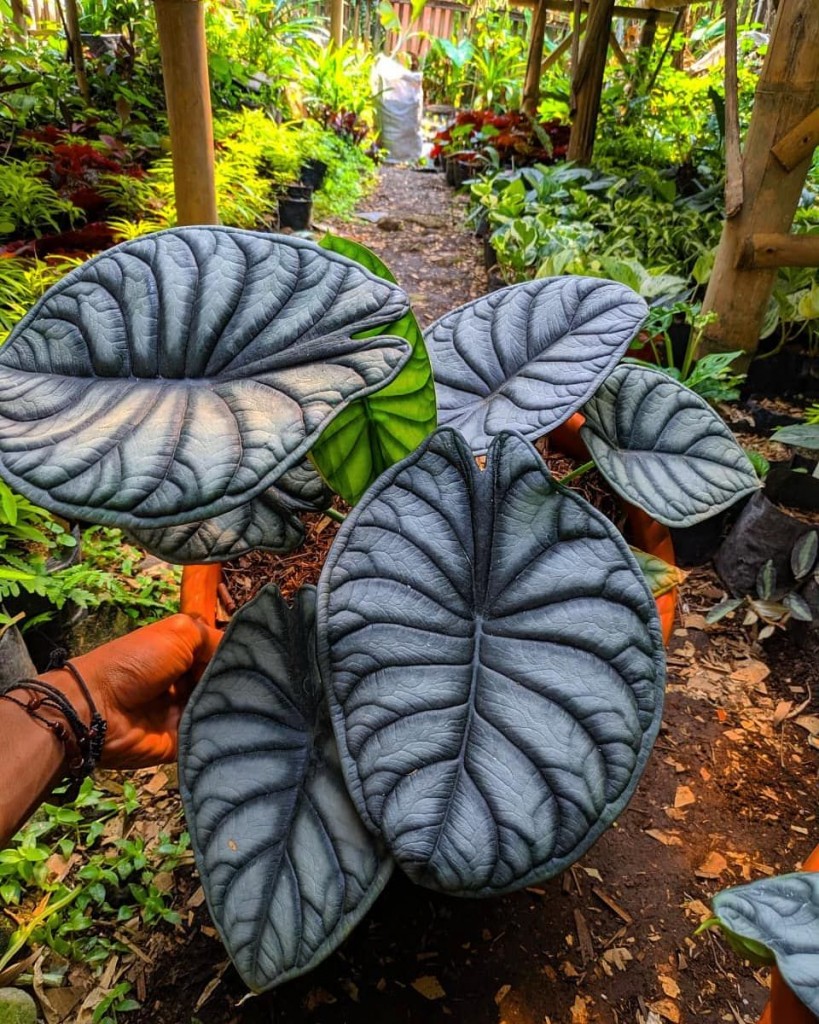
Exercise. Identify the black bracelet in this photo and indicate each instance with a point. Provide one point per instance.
(83, 743)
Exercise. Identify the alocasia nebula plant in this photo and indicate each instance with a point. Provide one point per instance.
(472, 691)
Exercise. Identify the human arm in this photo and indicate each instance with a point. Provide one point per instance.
(139, 684)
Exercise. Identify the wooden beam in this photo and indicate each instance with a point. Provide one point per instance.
(531, 86)
(787, 91)
(766, 251)
(561, 48)
(617, 50)
(587, 82)
(664, 17)
(181, 25)
(799, 143)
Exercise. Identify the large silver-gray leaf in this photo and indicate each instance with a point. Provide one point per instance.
(781, 914)
(494, 663)
(662, 447)
(287, 866)
(175, 377)
(526, 357)
(266, 521)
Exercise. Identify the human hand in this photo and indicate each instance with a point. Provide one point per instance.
(140, 684)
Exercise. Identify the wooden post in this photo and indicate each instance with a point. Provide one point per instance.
(72, 31)
(587, 81)
(734, 186)
(787, 93)
(18, 16)
(644, 50)
(531, 87)
(181, 25)
(337, 22)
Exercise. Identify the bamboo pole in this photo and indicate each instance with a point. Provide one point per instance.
(779, 250)
(787, 92)
(587, 82)
(531, 87)
(799, 143)
(181, 25)
(337, 22)
(72, 31)
(733, 156)
(664, 17)
(18, 16)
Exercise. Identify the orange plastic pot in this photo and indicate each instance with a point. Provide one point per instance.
(646, 533)
(784, 1006)
(199, 587)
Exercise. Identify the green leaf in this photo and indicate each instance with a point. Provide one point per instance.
(373, 433)
(722, 609)
(803, 555)
(759, 462)
(800, 435)
(661, 576)
(766, 581)
(798, 607)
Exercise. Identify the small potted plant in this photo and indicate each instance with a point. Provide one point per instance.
(473, 689)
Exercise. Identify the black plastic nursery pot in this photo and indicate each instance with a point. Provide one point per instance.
(295, 213)
(762, 533)
(449, 169)
(313, 173)
(490, 256)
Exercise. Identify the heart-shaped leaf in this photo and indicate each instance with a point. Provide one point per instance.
(175, 377)
(375, 432)
(267, 521)
(494, 662)
(780, 914)
(662, 447)
(287, 866)
(526, 357)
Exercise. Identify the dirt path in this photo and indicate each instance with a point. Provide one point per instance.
(727, 796)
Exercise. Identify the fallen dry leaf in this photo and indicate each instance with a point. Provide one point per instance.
(712, 867)
(618, 956)
(580, 1010)
(669, 986)
(751, 672)
(429, 987)
(781, 712)
(667, 1009)
(684, 797)
(666, 838)
(699, 908)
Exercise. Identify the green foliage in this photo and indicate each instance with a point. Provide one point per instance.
(28, 204)
(32, 540)
(373, 433)
(111, 882)
(24, 281)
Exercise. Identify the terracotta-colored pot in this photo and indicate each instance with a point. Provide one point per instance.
(784, 1006)
(646, 533)
(198, 596)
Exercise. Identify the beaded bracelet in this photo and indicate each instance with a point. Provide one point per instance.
(83, 743)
